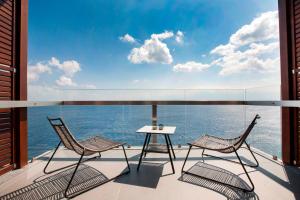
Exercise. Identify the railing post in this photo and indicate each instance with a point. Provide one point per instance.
(154, 121)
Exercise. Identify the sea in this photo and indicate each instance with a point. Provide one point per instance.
(120, 122)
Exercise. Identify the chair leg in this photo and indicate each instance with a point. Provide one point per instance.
(243, 166)
(202, 155)
(45, 168)
(257, 164)
(73, 175)
(182, 171)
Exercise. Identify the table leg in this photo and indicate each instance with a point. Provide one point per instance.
(149, 138)
(169, 152)
(171, 146)
(141, 156)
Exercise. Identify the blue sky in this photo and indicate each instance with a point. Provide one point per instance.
(77, 44)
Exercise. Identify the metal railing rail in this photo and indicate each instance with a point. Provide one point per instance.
(24, 104)
(152, 103)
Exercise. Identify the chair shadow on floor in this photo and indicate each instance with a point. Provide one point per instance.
(217, 174)
(53, 187)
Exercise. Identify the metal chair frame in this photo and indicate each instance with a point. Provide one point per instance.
(79, 162)
(235, 150)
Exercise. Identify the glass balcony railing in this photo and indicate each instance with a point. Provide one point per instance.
(120, 122)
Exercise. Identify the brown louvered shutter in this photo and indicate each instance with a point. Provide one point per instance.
(296, 69)
(7, 84)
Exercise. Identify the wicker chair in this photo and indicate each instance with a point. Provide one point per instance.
(83, 148)
(221, 145)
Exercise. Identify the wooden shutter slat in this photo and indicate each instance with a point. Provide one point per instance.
(5, 20)
(5, 26)
(6, 31)
(5, 46)
(6, 4)
(5, 51)
(5, 41)
(5, 98)
(5, 134)
(5, 94)
(5, 89)
(6, 11)
(296, 2)
(5, 61)
(5, 162)
(5, 73)
(3, 83)
(4, 56)
(297, 11)
(5, 151)
(6, 68)
(5, 141)
(6, 36)
(297, 7)
(4, 110)
(5, 156)
(5, 15)
(5, 79)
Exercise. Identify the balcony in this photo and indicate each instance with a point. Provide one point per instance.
(27, 140)
(272, 180)
(194, 112)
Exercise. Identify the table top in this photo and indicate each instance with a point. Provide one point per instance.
(166, 130)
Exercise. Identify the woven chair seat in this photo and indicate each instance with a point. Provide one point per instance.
(215, 143)
(98, 144)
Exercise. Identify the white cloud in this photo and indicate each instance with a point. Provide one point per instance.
(223, 50)
(69, 67)
(127, 38)
(37, 69)
(65, 81)
(163, 36)
(263, 27)
(254, 47)
(179, 37)
(153, 50)
(190, 66)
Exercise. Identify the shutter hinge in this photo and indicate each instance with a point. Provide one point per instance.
(15, 70)
(293, 71)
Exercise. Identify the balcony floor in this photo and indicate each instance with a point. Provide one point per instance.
(153, 181)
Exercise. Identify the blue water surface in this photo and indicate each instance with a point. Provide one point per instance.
(121, 122)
